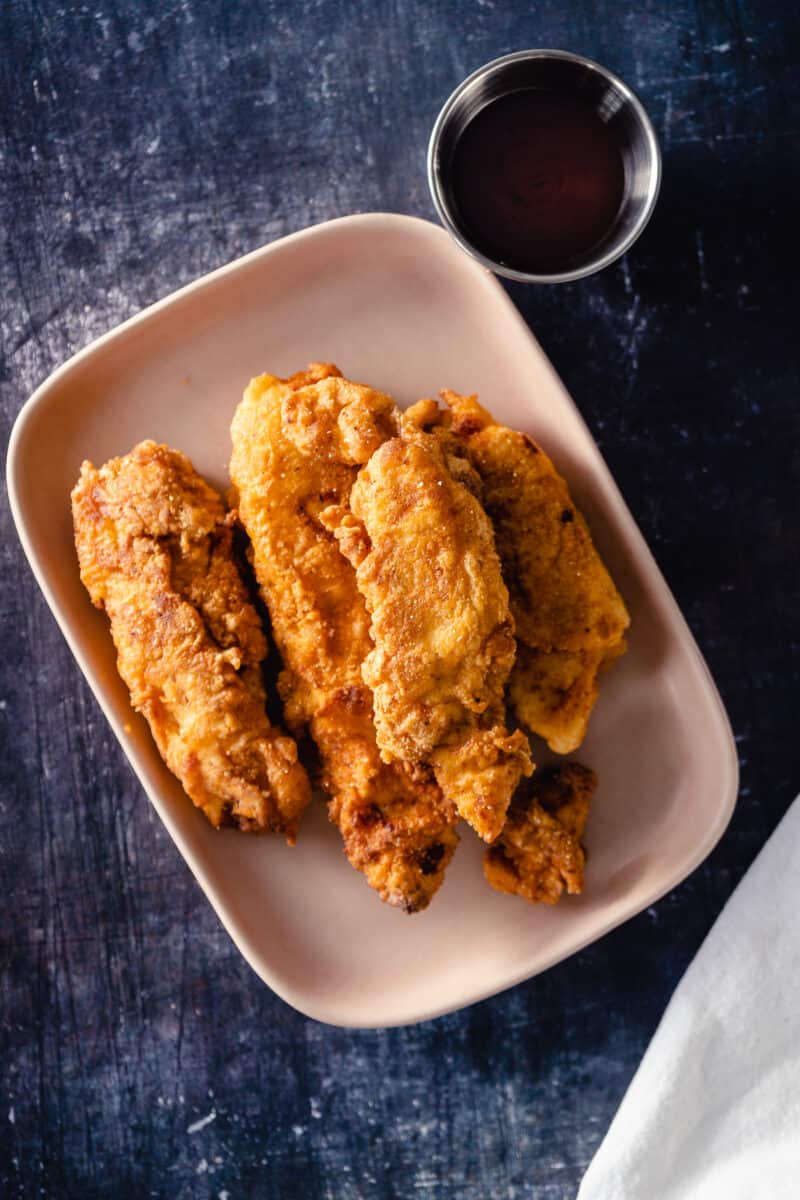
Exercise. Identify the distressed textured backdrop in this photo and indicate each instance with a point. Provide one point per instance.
(142, 144)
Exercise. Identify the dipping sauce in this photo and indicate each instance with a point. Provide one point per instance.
(538, 179)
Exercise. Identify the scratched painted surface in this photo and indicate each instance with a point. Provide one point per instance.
(142, 145)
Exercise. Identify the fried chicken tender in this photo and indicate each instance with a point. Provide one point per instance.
(155, 552)
(427, 567)
(297, 444)
(570, 619)
(538, 855)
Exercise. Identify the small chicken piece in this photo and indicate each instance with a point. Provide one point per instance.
(570, 619)
(155, 552)
(427, 567)
(296, 446)
(538, 855)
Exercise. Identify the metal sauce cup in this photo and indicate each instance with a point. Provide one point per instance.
(614, 103)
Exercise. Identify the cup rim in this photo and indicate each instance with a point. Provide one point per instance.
(614, 251)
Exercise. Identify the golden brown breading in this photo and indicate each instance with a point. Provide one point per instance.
(154, 546)
(554, 691)
(570, 619)
(538, 855)
(336, 420)
(286, 467)
(427, 567)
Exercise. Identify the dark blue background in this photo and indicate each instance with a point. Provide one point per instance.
(144, 144)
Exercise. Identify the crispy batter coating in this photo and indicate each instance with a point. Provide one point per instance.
(427, 567)
(538, 855)
(154, 546)
(570, 619)
(338, 421)
(286, 467)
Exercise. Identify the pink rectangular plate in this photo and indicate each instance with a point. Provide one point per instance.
(394, 303)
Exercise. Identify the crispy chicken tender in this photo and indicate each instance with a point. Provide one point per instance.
(296, 446)
(427, 567)
(154, 546)
(538, 855)
(570, 619)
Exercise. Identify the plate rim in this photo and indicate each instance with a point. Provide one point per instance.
(316, 1008)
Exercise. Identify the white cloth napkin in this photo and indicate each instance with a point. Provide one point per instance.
(713, 1112)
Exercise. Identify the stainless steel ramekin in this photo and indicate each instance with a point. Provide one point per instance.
(614, 102)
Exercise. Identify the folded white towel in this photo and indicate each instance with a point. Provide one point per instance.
(713, 1112)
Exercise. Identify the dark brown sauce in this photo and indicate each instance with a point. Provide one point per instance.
(538, 179)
